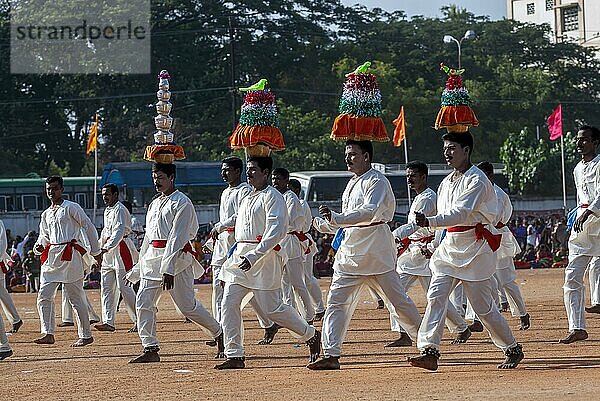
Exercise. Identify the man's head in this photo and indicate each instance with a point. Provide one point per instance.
(54, 188)
(163, 176)
(458, 148)
(358, 156)
(280, 178)
(416, 175)
(231, 169)
(110, 194)
(258, 170)
(295, 186)
(487, 168)
(588, 138)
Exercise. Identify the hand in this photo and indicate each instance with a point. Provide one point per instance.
(39, 248)
(245, 265)
(167, 281)
(426, 252)
(421, 220)
(578, 226)
(221, 283)
(325, 212)
(214, 233)
(127, 282)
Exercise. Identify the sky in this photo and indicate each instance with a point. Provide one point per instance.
(495, 9)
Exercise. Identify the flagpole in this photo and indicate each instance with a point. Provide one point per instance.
(95, 184)
(406, 162)
(564, 183)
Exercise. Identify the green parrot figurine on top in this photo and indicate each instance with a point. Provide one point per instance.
(259, 86)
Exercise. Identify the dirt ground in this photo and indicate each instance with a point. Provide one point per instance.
(550, 371)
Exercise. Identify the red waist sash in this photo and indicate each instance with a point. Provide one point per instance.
(125, 254)
(276, 248)
(187, 248)
(3, 267)
(300, 235)
(67, 253)
(407, 241)
(481, 232)
(500, 225)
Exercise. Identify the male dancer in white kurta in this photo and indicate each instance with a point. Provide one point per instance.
(467, 209)
(10, 310)
(5, 350)
(222, 234)
(255, 266)
(506, 273)
(413, 259)
(310, 250)
(292, 245)
(62, 261)
(118, 257)
(584, 242)
(366, 255)
(167, 262)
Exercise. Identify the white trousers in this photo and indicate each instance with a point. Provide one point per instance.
(343, 298)
(454, 321)
(293, 285)
(506, 277)
(479, 293)
(74, 295)
(10, 310)
(67, 309)
(113, 284)
(574, 289)
(457, 298)
(594, 276)
(272, 304)
(182, 294)
(470, 312)
(4, 345)
(217, 294)
(312, 284)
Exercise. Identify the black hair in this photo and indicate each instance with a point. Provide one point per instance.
(264, 162)
(594, 130)
(113, 188)
(486, 167)
(365, 146)
(418, 166)
(128, 206)
(234, 162)
(283, 172)
(294, 184)
(463, 139)
(168, 169)
(55, 178)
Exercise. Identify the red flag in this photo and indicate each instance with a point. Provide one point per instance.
(400, 130)
(93, 138)
(555, 123)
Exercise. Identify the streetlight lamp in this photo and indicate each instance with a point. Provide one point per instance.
(469, 35)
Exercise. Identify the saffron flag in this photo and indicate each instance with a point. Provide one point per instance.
(400, 130)
(93, 138)
(555, 123)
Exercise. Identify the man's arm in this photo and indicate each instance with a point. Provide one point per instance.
(184, 228)
(374, 197)
(77, 213)
(461, 208)
(118, 231)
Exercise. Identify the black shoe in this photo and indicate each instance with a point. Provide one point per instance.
(220, 347)
(269, 334)
(593, 309)
(319, 316)
(403, 341)
(66, 324)
(575, 335)
(94, 321)
(504, 307)
(525, 322)
(314, 345)
(17, 326)
(211, 343)
(5, 354)
(476, 327)
(325, 363)
(150, 355)
(82, 342)
(427, 360)
(514, 355)
(232, 363)
(462, 337)
(380, 304)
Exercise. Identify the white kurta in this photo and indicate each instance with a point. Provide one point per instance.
(587, 182)
(173, 219)
(231, 198)
(366, 249)
(466, 201)
(412, 261)
(58, 225)
(509, 246)
(306, 226)
(117, 228)
(262, 214)
(290, 245)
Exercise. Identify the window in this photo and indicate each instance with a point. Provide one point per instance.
(570, 19)
(530, 8)
(3, 203)
(549, 5)
(81, 199)
(29, 202)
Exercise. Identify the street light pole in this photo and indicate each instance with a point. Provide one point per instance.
(468, 35)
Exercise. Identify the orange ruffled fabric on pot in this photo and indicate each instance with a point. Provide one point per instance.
(246, 136)
(460, 117)
(152, 150)
(349, 126)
